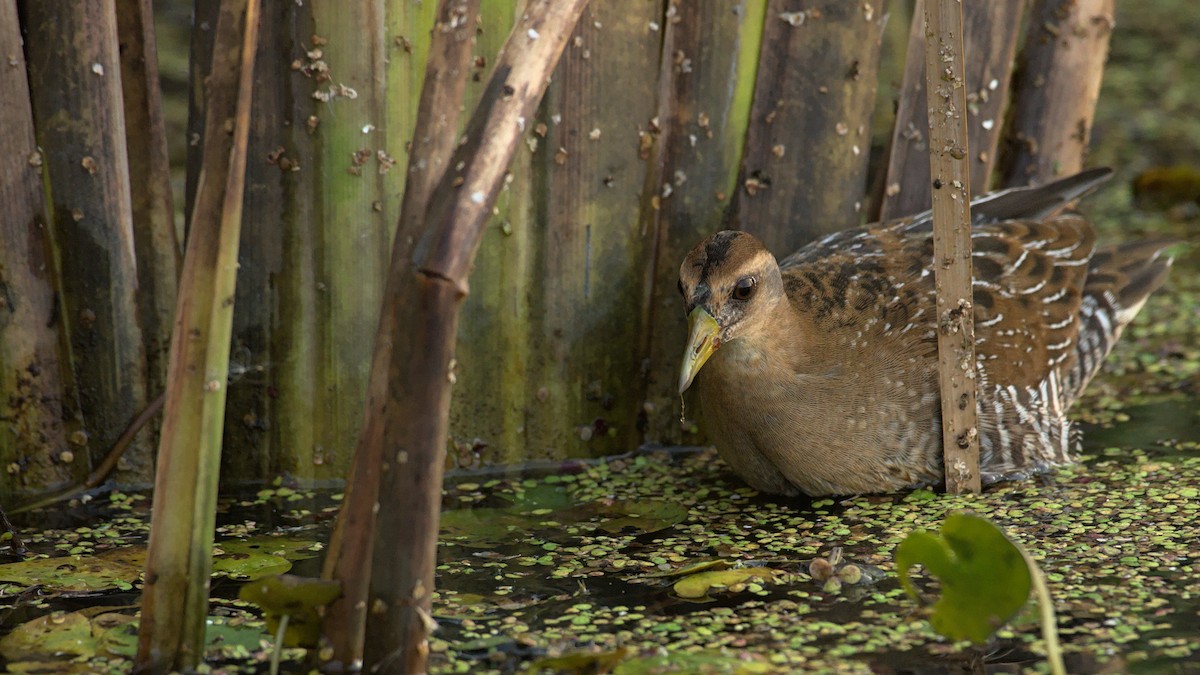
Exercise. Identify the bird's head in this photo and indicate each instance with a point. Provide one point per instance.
(729, 283)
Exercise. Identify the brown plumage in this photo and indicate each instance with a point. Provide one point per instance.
(819, 374)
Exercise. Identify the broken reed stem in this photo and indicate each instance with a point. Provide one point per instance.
(948, 162)
(434, 135)
(411, 424)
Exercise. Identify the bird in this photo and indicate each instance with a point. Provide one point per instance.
(818, 375)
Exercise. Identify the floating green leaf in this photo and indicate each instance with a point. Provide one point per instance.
(698, 585)
(485, 528)
(59, 635)
(983, 575)
(260, 556)
(542, 496)
(110, 570)
(299, 598)
(61, 642)
(647, 515)
(254, 565)
(488, 527)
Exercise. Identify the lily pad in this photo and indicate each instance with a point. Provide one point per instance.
(298, 598)
(111, 570)
(649, 515)
(261, 556)
(699, 585)
(58, 635)
(223, 636)
(58, 638)
(542, 496)
(485, 528)
(984, 577)
(489, 527)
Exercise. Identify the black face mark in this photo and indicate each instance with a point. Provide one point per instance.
(700, 296)
(717, 249)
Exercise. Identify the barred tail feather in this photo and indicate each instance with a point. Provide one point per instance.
(1120, 279)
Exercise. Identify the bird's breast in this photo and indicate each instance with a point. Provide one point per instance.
(829, 428)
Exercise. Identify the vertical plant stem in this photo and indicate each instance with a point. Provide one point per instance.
(279, 175)
(410, 422)
(179, 561)
(810, 126)
(216, 355)
(352, 232)
(32, 386)
(15, 545)
(277, 650)
(703, 116)
(352, 544)
(200, 62)
(75, 79)
(1061, 65)
(154, 239)
(534, 373)
(990, 41)
(949, 168)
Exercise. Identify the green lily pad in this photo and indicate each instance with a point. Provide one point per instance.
(226, 637)
(120, 568)
(298, 598)
(485, 528)
(65, 642)
(983, 575)
(58, 635)
(253, 565)
(284, 546)
(485, 644)
(488, 527)
(111, 570)
(119, 637)
(649, 515)
(543, 496)
(261, 556)
(223, 636)
(698, 585)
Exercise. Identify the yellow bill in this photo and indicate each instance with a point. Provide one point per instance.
(703, 340)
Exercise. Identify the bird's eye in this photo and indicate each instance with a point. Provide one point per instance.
(744, 289)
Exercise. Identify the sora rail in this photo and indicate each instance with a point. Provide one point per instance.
(818, 375)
